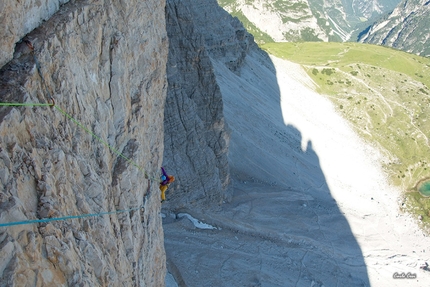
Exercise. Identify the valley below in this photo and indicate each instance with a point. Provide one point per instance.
(385, 96)
(311, 203)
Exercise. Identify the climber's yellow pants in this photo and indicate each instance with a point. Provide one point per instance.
(163, 189)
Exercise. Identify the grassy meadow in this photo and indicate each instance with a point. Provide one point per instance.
(385, 94)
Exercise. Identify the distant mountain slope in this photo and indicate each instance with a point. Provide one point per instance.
(385, 95)
(305, 20)
(386, 98)
(407, 28)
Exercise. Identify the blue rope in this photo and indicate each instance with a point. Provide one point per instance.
(130, 161)
(67, 217)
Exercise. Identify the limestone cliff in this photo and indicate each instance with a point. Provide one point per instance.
(196, 135)
(19, 18)
(103, 62)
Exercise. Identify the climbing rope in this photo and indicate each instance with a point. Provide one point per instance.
(130, 161)
(25, 105)
(43, 220)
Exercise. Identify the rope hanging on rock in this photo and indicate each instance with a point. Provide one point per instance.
(53, 105)
(43, 220)
(24, 105)
(130, 161)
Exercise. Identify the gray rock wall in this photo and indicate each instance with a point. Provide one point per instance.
(196, 135)
(19, 18)
(196, 140)
(225, 38)
(104, 63)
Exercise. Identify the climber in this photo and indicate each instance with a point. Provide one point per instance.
(166, 180)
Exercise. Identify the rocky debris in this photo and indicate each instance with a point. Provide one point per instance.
(103, 63)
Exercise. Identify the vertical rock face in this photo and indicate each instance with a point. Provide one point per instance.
(103, 62)
(196, 135)
(195, 141)
(19, 18)
(225, 38)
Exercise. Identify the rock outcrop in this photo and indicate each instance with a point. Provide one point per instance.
(196, 141)
(407, 28)
(103, 63)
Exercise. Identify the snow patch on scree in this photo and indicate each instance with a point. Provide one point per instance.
(196, 222)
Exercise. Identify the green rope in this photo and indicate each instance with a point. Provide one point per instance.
(88, 131)
(67, 217)
(25, 105)
(130, 161)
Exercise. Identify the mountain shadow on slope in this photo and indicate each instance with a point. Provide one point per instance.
(280, 226)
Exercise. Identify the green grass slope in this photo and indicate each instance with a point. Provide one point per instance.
(385, 94)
